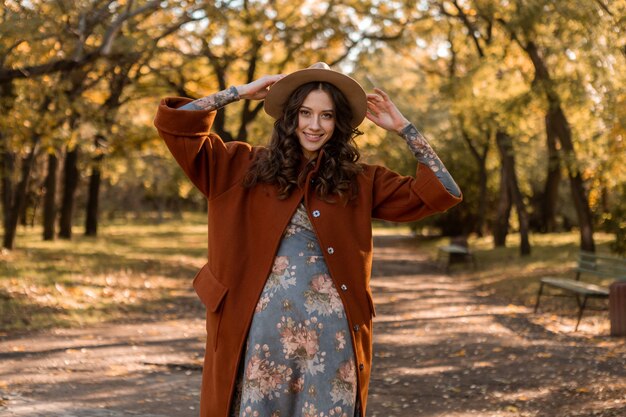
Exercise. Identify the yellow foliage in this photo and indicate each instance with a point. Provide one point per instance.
(23, 48)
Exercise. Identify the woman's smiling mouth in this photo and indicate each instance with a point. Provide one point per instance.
(313, 137)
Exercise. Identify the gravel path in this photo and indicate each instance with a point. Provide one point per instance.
(442, 348)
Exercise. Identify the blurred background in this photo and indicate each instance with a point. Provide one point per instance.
(524, 100)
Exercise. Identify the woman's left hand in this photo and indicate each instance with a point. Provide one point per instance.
(382, 111)
(257, 90)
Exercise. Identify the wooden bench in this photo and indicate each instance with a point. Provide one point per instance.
(589, 263)
(456, 252)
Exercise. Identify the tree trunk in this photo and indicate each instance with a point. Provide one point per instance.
(33, 201)
(19, 198)
(579, 195)
(481, 162)
(560, 126)
(501, 224)
(8, 166)
(7, 157)
(70, 184)
(482, 199)
(553, 179)
(91, 218)
(507, 157)
(220, 130)
(22, 216)
(49, 201)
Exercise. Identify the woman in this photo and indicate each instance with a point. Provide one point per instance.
(286, 286)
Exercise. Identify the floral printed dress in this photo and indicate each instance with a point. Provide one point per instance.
(299, 359)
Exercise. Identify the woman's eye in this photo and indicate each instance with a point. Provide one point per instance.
(304, 112)
(327, 116)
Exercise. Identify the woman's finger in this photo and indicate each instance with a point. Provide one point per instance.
(372, 117)
(272, 79)
(373, 107)
(381, 93)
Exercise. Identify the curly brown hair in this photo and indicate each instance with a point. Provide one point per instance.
(279, 163)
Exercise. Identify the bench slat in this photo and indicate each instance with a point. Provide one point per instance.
(576, 286)
(592, 264)
(605, 272)
(455, 249)
(601, 265)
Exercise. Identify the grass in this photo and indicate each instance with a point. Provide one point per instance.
(129, 271)
(137, 270)
(514, 279)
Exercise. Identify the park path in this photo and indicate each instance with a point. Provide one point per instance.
(443, 347)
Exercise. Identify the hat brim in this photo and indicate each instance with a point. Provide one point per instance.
(279, 93)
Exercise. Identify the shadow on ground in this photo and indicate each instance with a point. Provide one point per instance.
(443, 347)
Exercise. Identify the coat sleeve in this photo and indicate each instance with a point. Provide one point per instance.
(402, 198)
(212, 165)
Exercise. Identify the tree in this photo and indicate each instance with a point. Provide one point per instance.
(50, 185)
(83, 18)
(532, 27)
(244, 40)
(467, 72)
(485, 99)
(70, 38)
(558, 125)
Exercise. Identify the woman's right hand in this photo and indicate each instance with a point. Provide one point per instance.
(257, 90)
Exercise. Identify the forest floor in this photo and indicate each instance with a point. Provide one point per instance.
(445, 345)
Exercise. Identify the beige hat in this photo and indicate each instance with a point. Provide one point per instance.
(279, 92)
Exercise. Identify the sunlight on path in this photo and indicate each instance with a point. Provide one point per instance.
(444, 348)
(146, 369)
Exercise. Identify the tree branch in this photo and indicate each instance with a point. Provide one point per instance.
(604, 7)
(113, 30)
(470, 27)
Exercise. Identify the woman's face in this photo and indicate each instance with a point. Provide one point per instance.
(316, 122)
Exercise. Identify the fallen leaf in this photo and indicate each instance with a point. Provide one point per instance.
(460, 353)
(116, 370)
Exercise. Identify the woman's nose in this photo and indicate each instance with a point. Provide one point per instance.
(315, 123)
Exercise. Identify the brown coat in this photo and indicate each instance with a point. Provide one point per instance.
(245, 230)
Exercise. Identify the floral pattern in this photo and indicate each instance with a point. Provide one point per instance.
(340, 340)
(301, 343)
(281, 277)
(263, 377)
(299, 355)
(344, 384)
(322, 297)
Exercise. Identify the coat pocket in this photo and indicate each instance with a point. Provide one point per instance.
(212, 293)
(209, 289)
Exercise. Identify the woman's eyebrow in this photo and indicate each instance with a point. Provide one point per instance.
(323, 111)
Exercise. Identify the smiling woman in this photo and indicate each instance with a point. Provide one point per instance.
(316, 122)
(286, 286)
(316, 116)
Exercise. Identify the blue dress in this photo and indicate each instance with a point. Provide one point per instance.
(299, 359)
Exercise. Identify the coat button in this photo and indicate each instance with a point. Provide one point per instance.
(330, 250)
(316, 213)
(356, 327)
(361, 367)
(344, 287)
